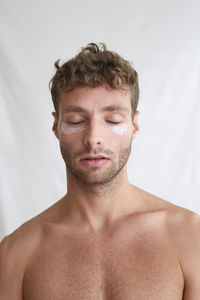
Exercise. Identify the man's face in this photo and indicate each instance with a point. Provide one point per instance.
(95, 131)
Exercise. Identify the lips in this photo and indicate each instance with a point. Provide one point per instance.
(94, 161)
(93, 157)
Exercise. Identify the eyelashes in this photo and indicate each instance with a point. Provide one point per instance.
(111, 122)
(75, 123)
(81, 122)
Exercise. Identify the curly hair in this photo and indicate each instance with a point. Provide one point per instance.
(94, 66)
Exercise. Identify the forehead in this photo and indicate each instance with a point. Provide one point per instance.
(90, 98)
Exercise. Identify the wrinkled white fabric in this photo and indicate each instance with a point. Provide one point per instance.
(161, 38)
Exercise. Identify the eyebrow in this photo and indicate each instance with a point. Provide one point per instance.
(72, 108)
(115, 107)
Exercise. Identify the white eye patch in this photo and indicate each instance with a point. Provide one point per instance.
(68, 129)
(117, 128)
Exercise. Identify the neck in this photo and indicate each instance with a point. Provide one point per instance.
(100, 205)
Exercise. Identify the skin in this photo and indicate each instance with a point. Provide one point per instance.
(106, 238)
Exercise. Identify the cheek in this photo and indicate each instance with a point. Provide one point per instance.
(67, 129)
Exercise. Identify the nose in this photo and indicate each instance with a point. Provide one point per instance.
(93, 135)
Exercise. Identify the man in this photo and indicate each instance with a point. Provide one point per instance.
(105, 239)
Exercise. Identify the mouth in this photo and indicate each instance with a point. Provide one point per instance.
(94, 157)
(94, 161)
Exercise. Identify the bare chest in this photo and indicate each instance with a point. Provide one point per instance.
(125, 269)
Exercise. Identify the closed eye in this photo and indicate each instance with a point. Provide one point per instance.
(112, 122)
(75, 123)
(108, 121)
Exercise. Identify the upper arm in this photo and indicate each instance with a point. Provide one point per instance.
(190, 257)
(11, 275)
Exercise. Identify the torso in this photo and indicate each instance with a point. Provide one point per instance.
(135, 260)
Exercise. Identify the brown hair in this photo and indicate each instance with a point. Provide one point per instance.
(93, 66)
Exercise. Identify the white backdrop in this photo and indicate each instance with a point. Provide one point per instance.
(160, 37)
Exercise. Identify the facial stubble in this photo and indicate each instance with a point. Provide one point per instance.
(95, 176)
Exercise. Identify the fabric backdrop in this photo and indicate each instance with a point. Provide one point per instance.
(160, 37)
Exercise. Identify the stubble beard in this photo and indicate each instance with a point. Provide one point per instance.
(96, 176)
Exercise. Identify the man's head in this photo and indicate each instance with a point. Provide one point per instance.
(95, 115)
(94, 66)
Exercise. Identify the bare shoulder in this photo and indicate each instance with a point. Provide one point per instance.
(183, 228)
(179, 220)
(185, 232)
(182, 224)
(29, 232)
(20, 243)
(15, 251)
(16, 245)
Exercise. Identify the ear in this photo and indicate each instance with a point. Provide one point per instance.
(55, 124)
(135, 124)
